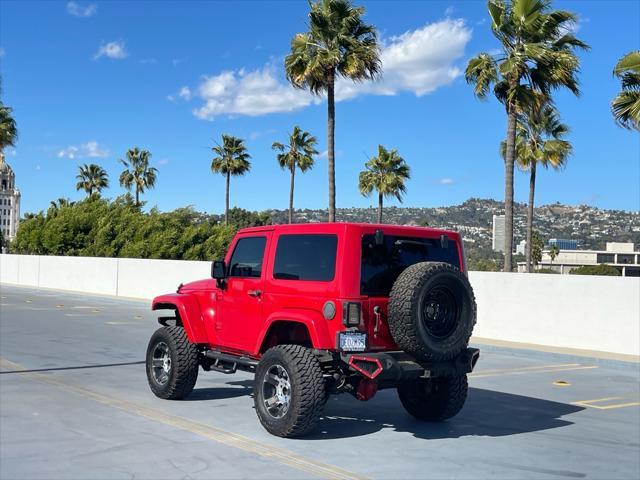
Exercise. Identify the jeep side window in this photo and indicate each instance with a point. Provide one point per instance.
(247, 257)
(306, 257)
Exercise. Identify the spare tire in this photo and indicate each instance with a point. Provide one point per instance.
(432, 311)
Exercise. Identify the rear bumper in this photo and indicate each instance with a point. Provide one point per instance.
(389, 369)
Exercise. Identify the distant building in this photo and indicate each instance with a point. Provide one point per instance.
(619, 255)
(521, 248)
(564, 244)
(9, 201)
(497, 243)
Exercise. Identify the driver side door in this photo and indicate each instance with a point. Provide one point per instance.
(242, 297)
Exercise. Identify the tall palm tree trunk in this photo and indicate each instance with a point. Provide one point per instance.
(226, 201)
(532, 189)
(293, 174)
(331, 125)
(379, 207)
(137, 197)
(508, 187)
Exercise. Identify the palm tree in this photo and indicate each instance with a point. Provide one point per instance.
(137, 173)
(385, 173)
(537, 55)
(92, 178)
(626, 106)
(553, 252)
(297, 154)
(539, 140)
(232, 159)
(8, 129)
(338, 44)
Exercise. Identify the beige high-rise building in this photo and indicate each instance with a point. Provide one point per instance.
(9, 200)
(498, 238)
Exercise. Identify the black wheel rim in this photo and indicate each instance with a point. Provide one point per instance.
(440, 311)
(276, 391)
(161, 363)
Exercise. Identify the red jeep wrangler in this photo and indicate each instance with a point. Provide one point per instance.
(320, 309)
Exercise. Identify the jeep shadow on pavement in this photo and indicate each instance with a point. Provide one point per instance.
(321, 309)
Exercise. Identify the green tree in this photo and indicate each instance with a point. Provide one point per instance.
(386, 173)
(138, 175)
(539, 141)
(553, 252)
(298, 153)
(92, 179)
(606, 270)
(537, 55)
(337, 44)
(232, 159)
(8, 129)
(626, 105)
(537, 245)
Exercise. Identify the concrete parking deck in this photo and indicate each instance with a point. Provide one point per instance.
(74, 403)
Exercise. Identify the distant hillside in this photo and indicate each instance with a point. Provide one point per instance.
(591, 226)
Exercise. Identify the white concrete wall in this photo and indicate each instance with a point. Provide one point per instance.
(580, 312)
(584, 312)
(148, 278)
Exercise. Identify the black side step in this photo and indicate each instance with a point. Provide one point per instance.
(227, 363)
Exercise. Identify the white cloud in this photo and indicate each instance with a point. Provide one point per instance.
(163, 161)
(418, 61)
(85, 150)
(78, 10)
(253, 93)
(446, 181)
(449, 11)
(115, 50)
(185, 92)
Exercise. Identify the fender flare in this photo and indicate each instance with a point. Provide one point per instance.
(188, 312)
(314, 322)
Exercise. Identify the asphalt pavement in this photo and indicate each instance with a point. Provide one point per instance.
(75, 404)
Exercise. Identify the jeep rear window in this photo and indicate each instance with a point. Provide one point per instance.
(306, 257)
(246, 260)
(381, 264)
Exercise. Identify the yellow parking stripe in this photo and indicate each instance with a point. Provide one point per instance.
(535, 367)
(280, 455)
(524, 371)
(592, 403)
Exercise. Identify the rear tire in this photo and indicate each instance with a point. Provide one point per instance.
(172, 363)
(434, 399)
(432, 311)
(290, 391)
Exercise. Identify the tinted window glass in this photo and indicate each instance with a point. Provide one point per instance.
(306, 257)
(246, 260)
(381, 264)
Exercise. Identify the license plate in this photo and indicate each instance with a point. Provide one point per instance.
(352, 341)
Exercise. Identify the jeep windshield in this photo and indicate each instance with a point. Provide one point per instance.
(384, 260)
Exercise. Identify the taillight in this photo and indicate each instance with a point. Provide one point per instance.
(351, 314)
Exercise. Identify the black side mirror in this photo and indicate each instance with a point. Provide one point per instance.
(219, 270)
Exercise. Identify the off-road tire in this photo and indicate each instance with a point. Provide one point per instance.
(184, 363)
(308, 390)
(406, 311)
(436, 399)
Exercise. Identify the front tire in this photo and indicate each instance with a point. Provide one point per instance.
(434, 399)
(290, 391)
(172, 363)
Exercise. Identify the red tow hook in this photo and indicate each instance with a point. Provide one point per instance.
(366, 389)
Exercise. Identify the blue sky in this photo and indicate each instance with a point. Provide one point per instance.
(88, 80)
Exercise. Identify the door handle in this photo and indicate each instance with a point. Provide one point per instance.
(254, 293)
